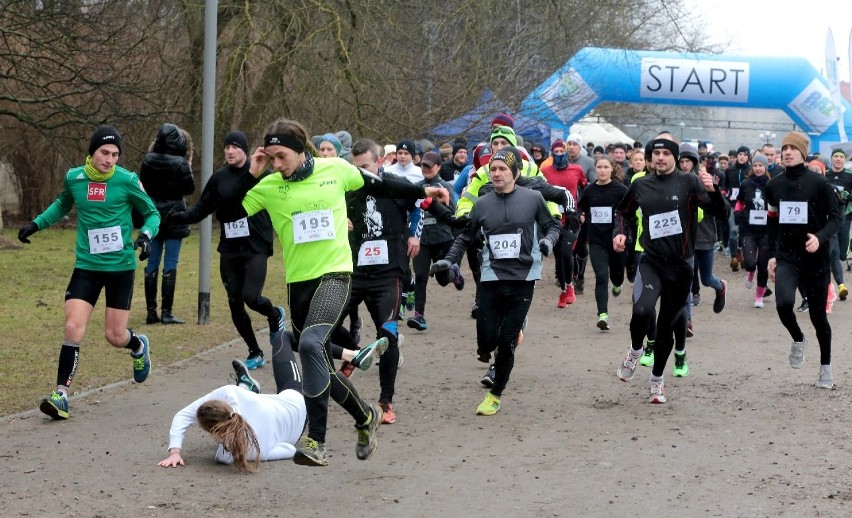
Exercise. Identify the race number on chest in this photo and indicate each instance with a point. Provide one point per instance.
(373, 252)
(665, 224)
(505, 246)
(239, 228)
(601, 215)
(103, 240)
(793, 212)
(316, 225)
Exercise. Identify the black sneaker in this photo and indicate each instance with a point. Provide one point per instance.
(474, 310)
(366, 444)
(242, 377)
(767, 293)
(721, 298)
(803, 307)
(488, 379)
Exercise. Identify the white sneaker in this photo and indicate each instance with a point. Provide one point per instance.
(658, 392)
(826, 379)
(758, 302)
(399, 340)
(749, 281)
(627, 368)
(797, 353)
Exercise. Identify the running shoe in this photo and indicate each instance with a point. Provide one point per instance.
(681, 368)
(830, 299)
(364, 358)
(627, 368)
(804, 306)
(242, 377)
(578, 285)
(603, 322)
(647, 358)
(347, 369)
(399, 340)
(570, 295)
(690, 329)
(401, 315)
(696, 299)
(458, 280)
(563, 299)
(418, 322)
(409, 301)
(735, 265)
(797, 353)
(758, 302)
(388, 415)
(310, 452)
(749, 280)
(616, 291)
(721, 298)
(826, 379)
(474, 310)
(55, 405)
(658, 392)
(842, 292)
(767, 293)
(488, 379)
(489, 406)
(367, 439)
(726, 253)
(254, 361)
(142, 362)
(275, 335)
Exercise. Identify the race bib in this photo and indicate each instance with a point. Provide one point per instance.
(735, 192)
(793, 212)
(316, 225)
(505, 246)
(757, 217)
(239, 228)
(429, 221)
(665, 224)
(601, 215)
(373, 252)
(103, 240)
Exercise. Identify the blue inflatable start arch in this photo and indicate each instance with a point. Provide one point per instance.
(596, 75)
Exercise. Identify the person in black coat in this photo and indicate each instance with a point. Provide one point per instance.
(166, 175)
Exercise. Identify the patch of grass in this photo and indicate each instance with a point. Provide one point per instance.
(32, 318)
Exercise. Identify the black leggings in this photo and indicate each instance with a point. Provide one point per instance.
(502, 309)
(756, 257)
(243, 277)
(422, 262)
(814, 280)
(316, 307)
(608, 266)
(565, 257)
(669, 281)
(284, 367)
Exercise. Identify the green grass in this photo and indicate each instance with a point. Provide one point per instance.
(32, 318)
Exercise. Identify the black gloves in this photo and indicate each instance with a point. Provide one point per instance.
(143, 243)
(27, 231)
(439, 266)
(545, 246)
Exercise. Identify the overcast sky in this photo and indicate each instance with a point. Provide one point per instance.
(772, 28)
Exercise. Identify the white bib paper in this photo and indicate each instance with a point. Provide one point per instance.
(735, 192)
(239, 228)
(601, 215)
(793, 212)
(665, 224)
(373, 252)
(316, 225)
(103, 240)
(505, 246)
(757, 217)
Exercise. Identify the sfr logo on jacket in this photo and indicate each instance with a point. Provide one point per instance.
(96, 191)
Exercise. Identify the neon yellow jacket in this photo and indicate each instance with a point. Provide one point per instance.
(482, 177)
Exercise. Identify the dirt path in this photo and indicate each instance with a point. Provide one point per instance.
(743, 435)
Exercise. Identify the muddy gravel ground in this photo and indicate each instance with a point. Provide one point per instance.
(742, 435)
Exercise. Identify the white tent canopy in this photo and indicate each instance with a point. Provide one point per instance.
(595, 129)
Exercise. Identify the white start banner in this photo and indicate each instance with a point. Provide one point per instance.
(694, 80)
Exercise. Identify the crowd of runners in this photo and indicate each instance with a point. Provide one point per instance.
(367, 224)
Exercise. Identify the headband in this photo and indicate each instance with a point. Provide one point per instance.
(288, 141)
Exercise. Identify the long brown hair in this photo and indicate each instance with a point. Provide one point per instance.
(284, 126)
(232, 430)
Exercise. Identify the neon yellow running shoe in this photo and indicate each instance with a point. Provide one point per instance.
(489, 406)
(647, 358)
(681, 368)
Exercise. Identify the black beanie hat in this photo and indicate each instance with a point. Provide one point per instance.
(407, 145)
(237, 138)
(744, 149)
(104, 135)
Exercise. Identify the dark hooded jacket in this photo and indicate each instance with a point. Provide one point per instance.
(167, 178)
